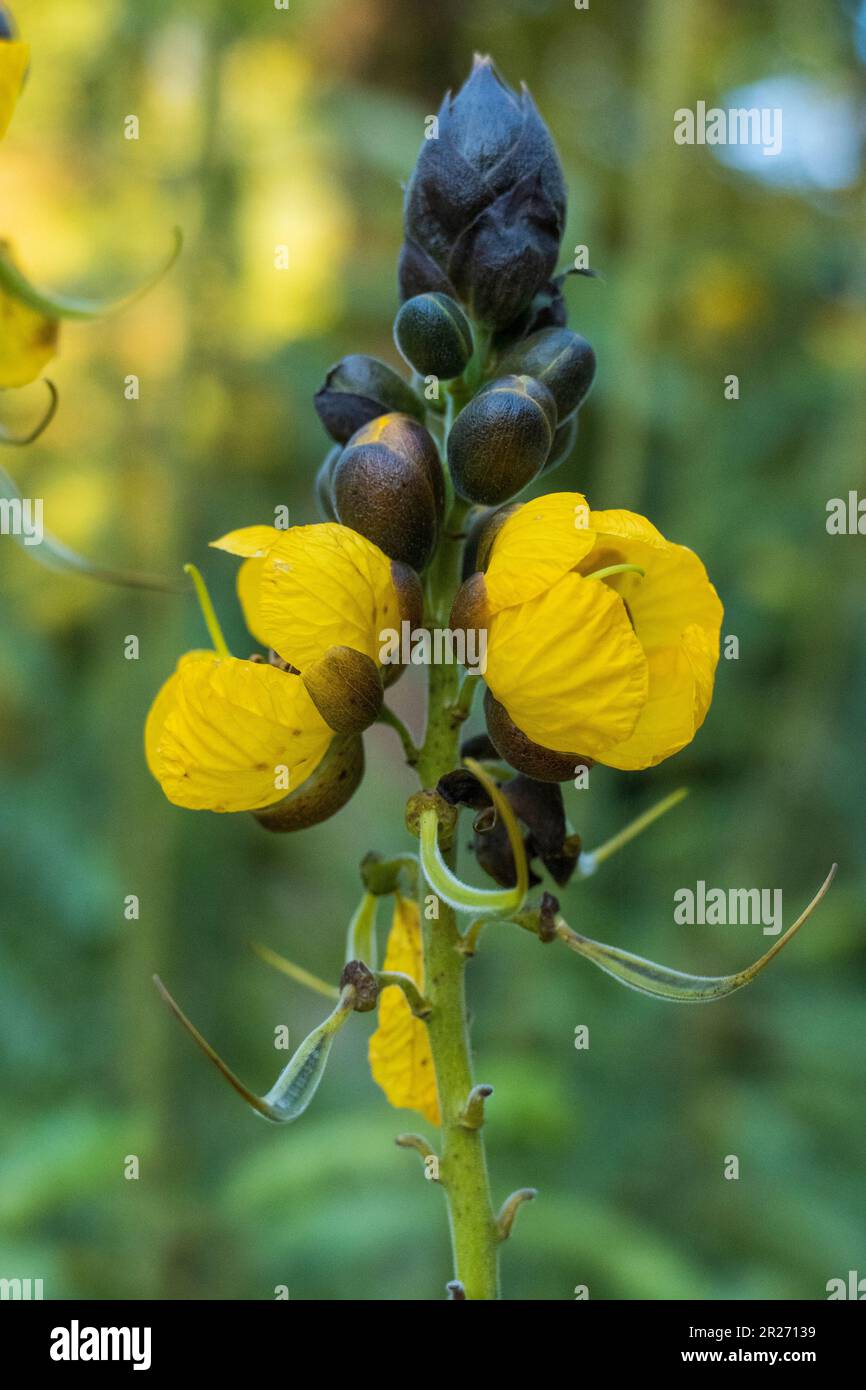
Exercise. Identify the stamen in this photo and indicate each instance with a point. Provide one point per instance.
(208, 611)
(616, 569)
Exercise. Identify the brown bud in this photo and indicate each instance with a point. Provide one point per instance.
(388, 485)
(493, 525)
(469, 609)
(345, 685)
(364, 983)
(544, 764)
(411, 597)
(325, 791)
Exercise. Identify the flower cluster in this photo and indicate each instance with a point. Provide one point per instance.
(602, 636)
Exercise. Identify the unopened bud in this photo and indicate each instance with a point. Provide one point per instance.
(563, 360)
(357, 390)
(501, 439)
(433, 334)
(388, 485)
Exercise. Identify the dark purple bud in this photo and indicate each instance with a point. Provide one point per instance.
(434, 335)
(501, 439)
(485, 206)
(563, 360)
(359, 389)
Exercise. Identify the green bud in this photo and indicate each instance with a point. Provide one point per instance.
(357, 390)
(563, 442)
(346, 687)
(434, 335)
(388, 485)
(563, 360)
(501, 439)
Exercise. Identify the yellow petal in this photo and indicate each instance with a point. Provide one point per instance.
(14, 58)
(326, 586)
(28, 339)
(400, 1056)
(249, 584)
(568, 667)
(221, 730)
(536, 546)
(677, 618)
(252, 542)
(675, 591)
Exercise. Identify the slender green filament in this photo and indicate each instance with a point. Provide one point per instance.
(616, 569)
(208, 611)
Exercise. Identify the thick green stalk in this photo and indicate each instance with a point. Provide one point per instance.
(463, 1165)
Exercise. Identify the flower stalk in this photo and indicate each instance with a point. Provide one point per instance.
(463, 1162)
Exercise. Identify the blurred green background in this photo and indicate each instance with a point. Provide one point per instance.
(261, 127)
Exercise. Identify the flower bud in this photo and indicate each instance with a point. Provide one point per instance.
(357, 390)
(388, 485)
(324, 484)
(325, 791)
(346, 687)
(542, 764)
(501, 439)
(485, 206)
(563, 443)
(434, 335)
(563, 360)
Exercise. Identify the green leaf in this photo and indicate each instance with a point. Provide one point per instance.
(663, 983)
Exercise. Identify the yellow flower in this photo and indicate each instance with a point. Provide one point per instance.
(618, 668)
(310, 588)
(28, 338)
(14, 59)
(230, 735)
(400, 1056)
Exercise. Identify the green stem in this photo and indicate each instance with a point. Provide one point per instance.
(463, 1164)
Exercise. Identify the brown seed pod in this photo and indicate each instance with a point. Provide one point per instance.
(544, 764)
(345, 685)
(388, 485)
(325, 791)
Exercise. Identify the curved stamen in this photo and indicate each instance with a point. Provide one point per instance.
(616, 569)
(208, 611)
